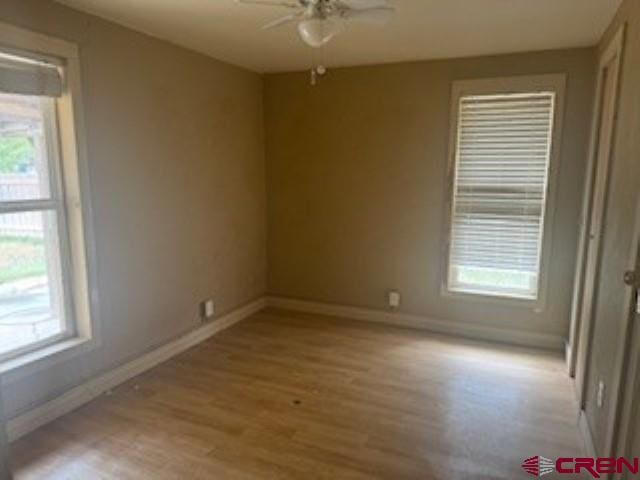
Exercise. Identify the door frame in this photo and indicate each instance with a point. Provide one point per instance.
(588, 258)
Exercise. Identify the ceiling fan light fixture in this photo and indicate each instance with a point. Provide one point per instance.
(317, 31)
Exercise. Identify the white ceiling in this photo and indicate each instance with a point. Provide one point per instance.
(421, 29)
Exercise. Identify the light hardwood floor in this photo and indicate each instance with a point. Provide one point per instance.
(290, 395)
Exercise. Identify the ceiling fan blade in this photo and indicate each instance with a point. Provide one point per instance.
(379, 16)
(282, 20)
(271, 3)
(364, 4)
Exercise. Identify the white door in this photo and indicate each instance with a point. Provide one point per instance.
(627, 432)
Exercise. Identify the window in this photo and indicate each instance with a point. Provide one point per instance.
(44, 299)
(502, 162)
(33, 301)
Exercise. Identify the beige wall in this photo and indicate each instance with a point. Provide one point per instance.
(356, 185)
(611, 310)
(176, 169)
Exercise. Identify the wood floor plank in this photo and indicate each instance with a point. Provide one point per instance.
(296, 396)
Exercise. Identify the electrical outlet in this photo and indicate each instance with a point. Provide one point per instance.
(208, 309)
(394, 299)
(600, 394)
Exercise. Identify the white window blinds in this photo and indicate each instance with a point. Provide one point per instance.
(502, 158)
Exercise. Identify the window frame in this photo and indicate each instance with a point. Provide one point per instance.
(75, 226)
(54, 202)
(500, 86)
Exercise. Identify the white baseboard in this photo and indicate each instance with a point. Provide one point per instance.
(585, 433)
(87, 391)
(463, 329)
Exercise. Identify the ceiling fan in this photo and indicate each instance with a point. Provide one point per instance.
(320, 20)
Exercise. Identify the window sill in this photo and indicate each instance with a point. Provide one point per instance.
(536, 305)
(17, 368)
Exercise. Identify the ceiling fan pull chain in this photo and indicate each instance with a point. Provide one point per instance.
(313, 73)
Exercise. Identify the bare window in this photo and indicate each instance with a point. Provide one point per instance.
(33, 301)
